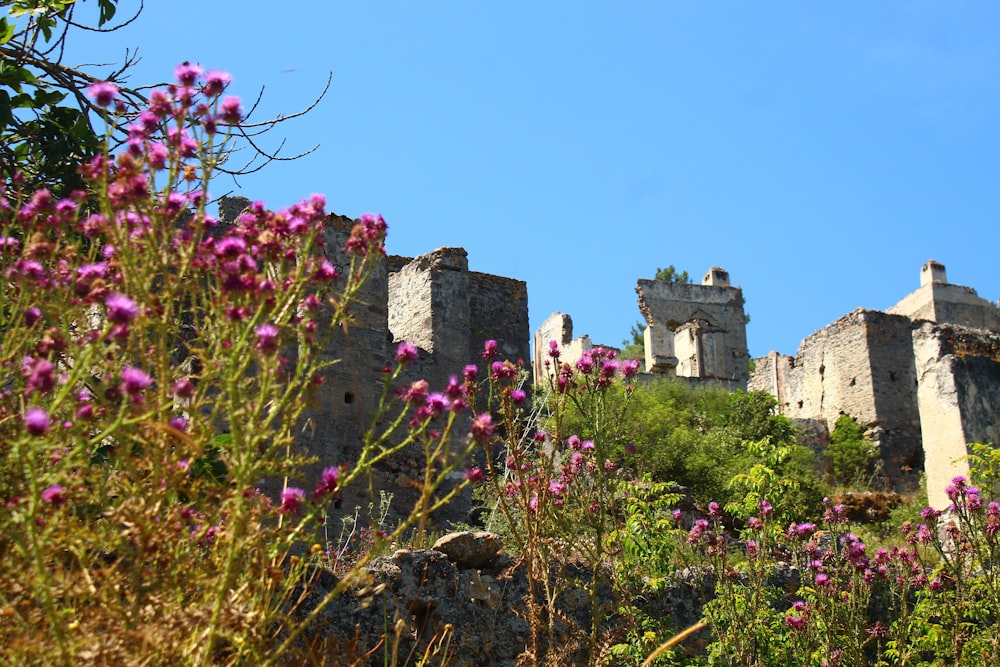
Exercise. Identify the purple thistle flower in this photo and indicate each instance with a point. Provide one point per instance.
(406, 353)
(490, 349)
(267, 338)
(630, 368)
(54, 495)
(40, 375)
(135, 380)
(518, 396)
(470, 372)
(121, 309)
(231, 112)
(437, 403)
(187, 73)
(474, 475)
(291, 499)
(216, 82)
(36, 421)
(31, 316)
(102, 92)
(328, 482)
(183, 388)
(482, 427)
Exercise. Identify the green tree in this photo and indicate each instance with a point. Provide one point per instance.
(46, 117)
(851, 455)
(46, 127)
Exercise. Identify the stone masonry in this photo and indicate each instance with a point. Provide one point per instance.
(923, 377)
(432, 301)
(695, 332)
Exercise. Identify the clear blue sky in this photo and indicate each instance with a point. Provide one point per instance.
(819, 151)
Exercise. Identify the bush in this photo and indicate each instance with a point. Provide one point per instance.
(852, 456)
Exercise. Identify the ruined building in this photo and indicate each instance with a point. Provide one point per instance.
(692, 331)
(923, 377)
(434, 302)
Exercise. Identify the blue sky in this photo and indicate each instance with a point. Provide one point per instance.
(821, 152)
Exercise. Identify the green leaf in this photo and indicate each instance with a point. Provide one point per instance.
(6, 31)
(108, 10)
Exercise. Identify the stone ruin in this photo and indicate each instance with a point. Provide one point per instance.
(923, 377)
(434, 302)
(697, 332)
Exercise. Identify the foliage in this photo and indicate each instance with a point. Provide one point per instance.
(698, 437)
(46, 128)
(156, 368)
(853, 457)
(47, 119)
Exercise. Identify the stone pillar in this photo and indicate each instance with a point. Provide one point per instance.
(944, 437)
(658, 343)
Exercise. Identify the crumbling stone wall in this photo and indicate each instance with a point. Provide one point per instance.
(959, 398)
(921, 397)
(432, 301)
(860, 365)
(696, 331)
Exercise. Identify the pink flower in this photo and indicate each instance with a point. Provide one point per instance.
(231, 112)
(406, 353)
(328, 483)
(470, 372)
(40, 375)
(291, 499)
(187, 73)
(184, 388)
(630, 368)
(518, 396)
(474, 475)
(216, 82)
(102, 92)
(121, 309)
(490, 349)
(267, 338)
(54, 495)
(135, 380)
(36, 421)
(482, 427)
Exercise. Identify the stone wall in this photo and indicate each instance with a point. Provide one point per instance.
(432, 301)
(695, 332)
(922, 393)
(959, 398)
(860, 365)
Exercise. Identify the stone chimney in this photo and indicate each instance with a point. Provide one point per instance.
(719, 277)
(932, 272)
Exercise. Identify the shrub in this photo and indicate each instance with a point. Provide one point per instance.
(852, 456)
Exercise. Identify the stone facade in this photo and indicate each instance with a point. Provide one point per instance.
(432, 301)
(696, 332)
(922, 390)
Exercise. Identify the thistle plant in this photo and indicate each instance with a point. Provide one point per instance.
(557, 480)
(156, 364)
